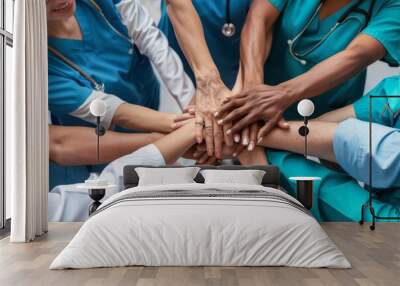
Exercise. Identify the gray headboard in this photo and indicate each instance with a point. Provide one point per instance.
(271, 177)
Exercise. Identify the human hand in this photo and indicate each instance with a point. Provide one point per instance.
(261, 103)
(248, 135)
(180, 120)
(210, 94)
(198, 152)
(228, 152)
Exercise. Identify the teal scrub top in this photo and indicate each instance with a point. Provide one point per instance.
(108, 58)
(386, 110)
(384, 26)
(224, 51)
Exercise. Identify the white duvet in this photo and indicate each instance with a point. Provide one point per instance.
(188, 231)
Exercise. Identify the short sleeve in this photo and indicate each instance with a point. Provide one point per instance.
(383, 109)
(65, 94)
(384, 26)
(278, 4)
(69, 97)
(380, 113)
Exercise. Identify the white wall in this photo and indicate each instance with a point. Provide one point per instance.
(377, 72)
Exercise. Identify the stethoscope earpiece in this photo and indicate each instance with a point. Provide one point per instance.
(228, 29)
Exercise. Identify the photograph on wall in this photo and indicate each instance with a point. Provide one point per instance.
(199, 142)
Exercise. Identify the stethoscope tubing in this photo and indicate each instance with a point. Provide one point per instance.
(228, 19)
(298, 56)
(96, 85)
(228, 28)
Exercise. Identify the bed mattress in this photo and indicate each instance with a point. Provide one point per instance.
(201, 225)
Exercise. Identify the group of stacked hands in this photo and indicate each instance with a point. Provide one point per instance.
(238, 109)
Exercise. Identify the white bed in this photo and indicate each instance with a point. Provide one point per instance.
(144, 226)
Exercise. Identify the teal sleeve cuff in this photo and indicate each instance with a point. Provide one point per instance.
(278, 4)
(380, 113)
(361, 108)
(392, 56)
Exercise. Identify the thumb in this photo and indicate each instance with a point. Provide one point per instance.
(283, 124)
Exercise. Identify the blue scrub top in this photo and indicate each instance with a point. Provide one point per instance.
(104, 55)
(108, 58)
(384, 26)
(224, 51)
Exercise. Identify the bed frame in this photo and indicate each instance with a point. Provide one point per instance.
(270, 179)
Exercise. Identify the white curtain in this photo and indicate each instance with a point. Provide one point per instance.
(27, 123)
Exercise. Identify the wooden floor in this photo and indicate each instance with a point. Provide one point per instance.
(375, 257)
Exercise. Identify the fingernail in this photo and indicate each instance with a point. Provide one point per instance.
(259, 140)
(236, 138)
(234, 154)
(216, 114)
(229, 131)
(251, 146)
(173, 126)
(220, 122)
(245, 141)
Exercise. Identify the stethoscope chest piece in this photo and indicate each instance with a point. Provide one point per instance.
(228, 29)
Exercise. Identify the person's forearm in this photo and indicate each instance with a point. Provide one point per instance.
(335, 70)
(338, 115)
(320, 139)
(78, 145)
(152, 43)
(175, 144)
(255, 46)
(256, 41)
(137, 117)
(190, 36)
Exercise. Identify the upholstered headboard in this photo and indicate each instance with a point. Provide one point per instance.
(271, 177)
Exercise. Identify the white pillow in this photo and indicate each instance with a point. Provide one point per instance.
(166, 176)
(247, 177)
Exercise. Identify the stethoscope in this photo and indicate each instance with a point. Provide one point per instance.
(228, 29)
(97, 85)
(343, 19)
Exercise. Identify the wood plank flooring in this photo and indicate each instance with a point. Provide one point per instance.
(375, 257)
